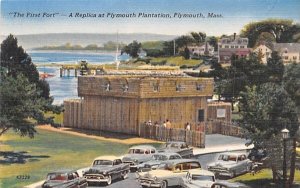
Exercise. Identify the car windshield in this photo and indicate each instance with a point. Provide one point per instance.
(58, 177)
(171, 145)
(136, 151)
(102, 162)
(159, 157)
(203, 178)
(227, 158)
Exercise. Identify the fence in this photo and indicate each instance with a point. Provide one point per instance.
(220, 127)
(193, 138)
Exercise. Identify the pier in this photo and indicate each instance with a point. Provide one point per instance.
(65, 70)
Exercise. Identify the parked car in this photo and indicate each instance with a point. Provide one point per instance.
(177, 147)
(227, 185)
(168, 175)
(156, 160)
(139, 154)
(198, 178)
(105, 169)
(230, 164)
(64, 179)
(257, 155)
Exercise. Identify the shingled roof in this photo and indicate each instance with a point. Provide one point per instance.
(290, 47)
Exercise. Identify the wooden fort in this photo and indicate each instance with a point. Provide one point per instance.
(121, 103)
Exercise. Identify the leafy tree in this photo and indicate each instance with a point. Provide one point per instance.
(242, 72)
(213, 41)
(291, 82)
(266, 110)
(132, 49)
(20, 104)
(183, 41)
(275, 67)
(265, 38)
(16, 60)
(168, 48)
(18, 65)
(186, 53)
(282, 30)
(198, 37)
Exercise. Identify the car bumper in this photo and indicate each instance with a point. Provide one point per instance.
(150, 184)
(221, 172)
(96, 180)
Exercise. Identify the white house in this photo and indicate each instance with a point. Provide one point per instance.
(289, 52)
(204, 49)
(265, 51)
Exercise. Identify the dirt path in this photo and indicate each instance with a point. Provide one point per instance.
(110, 137)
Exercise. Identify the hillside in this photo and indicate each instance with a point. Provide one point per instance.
(83, 39)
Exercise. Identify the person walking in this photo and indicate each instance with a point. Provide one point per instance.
(169, 129)
(188, 126)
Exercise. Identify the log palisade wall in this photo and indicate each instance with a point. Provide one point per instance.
(121, 103)
(213, 108)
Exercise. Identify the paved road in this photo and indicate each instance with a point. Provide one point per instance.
(130, 182)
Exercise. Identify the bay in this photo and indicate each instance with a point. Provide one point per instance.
(62, 88)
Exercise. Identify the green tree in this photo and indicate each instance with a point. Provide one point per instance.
(213, 41)
(132, 49)
(275, 67)
(242, 72)
(168, 48)
(291, 82)
(183, 41)
(16, 62)
(282, 30)
(21, 105)
(186, 53)
(266, 110)
(265, 38)
(198, 37)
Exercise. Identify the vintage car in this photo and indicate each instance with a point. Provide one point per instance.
(227, 185)
(230, 164)
(257, 155)
(177, 147)
(198, 178)
(105, 169)
(168, 175)
(156, 160)
(139, 154)
(64, 179)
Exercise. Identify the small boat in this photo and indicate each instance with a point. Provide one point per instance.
(44, 75)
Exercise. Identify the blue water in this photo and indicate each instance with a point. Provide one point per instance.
(62, 88)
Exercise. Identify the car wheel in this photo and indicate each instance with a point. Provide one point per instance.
(233, 174)
(164, 184)
(109, 180)
(124, 176)
(249, 168)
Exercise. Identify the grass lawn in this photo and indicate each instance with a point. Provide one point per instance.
(178, 61)
(50, 151)
(263, 179)
(58, 118)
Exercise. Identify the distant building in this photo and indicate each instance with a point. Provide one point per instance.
(142, 53)
(289, 52)
(229, 46)
(204, 49)
(265, 51)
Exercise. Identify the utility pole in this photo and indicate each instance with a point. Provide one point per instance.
(174, 47)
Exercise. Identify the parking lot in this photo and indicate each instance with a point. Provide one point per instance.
(131, 181)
